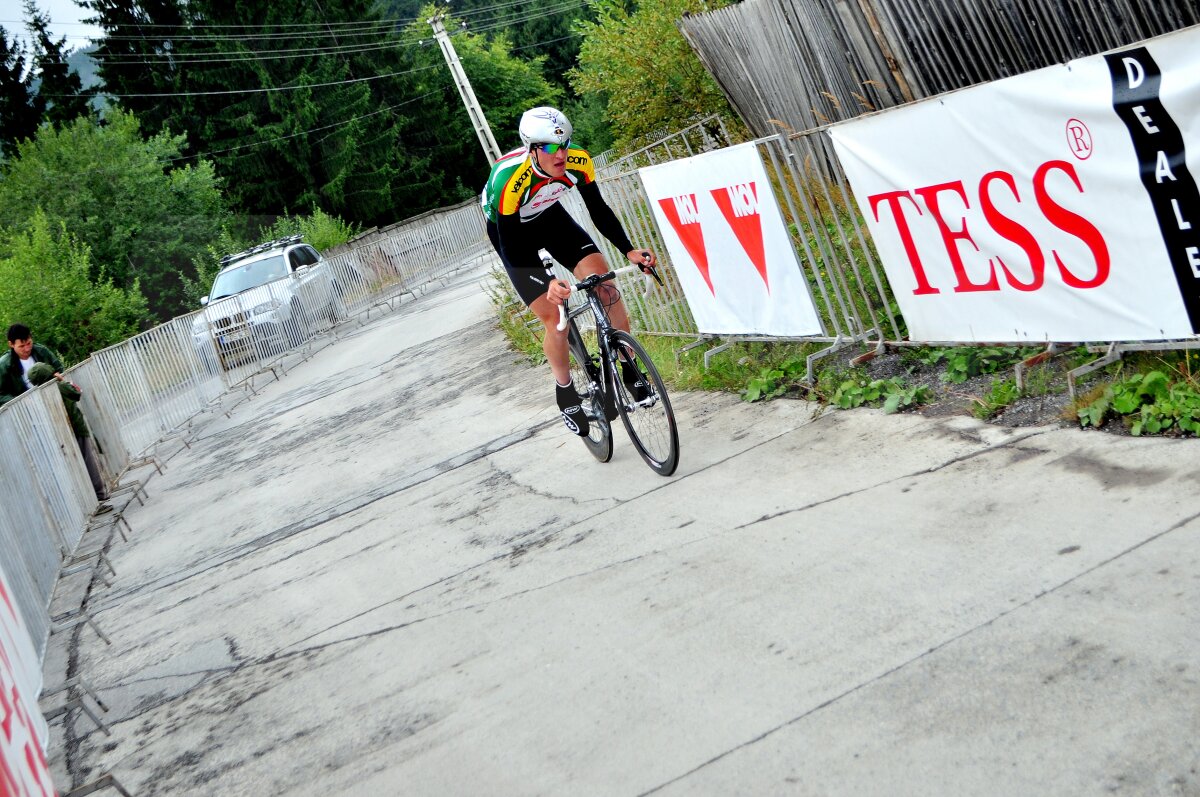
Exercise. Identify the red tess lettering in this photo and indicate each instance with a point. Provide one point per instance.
(35, 761)
(7, 711)
(934, 199)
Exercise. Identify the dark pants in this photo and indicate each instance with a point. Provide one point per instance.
(93, 467)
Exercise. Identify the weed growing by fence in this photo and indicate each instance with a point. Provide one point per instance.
(1147, 403)
(964, 362)
(1002, 393)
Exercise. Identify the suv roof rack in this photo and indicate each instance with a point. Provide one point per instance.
(263, 247)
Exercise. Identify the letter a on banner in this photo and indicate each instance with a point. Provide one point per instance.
(739, 206)
(682, 213)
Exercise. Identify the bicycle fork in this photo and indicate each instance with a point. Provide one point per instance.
(614, 376)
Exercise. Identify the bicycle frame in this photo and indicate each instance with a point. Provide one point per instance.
(604, 327)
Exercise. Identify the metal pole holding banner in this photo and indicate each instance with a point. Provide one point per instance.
(490, 148)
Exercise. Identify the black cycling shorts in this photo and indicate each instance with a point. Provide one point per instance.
(556, 232)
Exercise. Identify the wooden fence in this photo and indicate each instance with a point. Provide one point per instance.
(794, 65)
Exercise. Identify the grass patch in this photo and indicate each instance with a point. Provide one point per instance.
(521, 327)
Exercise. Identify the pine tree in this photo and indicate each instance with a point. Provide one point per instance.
(136, 57)
(60, 96)
(19, 116)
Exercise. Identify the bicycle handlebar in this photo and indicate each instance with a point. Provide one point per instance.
(562, 308)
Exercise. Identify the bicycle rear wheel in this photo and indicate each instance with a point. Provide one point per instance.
(585, 373)
(648, 416)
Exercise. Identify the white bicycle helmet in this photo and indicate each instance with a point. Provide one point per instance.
(544, 125)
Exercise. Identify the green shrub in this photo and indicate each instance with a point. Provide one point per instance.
(893, 393)
(1149, 403)
(45, 284)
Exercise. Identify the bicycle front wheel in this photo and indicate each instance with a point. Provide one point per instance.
(644, 406)
(585, 373)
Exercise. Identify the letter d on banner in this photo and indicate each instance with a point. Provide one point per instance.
(1135, 72)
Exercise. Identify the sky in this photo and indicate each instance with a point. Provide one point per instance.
(64, 20)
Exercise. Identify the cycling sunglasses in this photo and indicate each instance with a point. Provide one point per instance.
(550, 149)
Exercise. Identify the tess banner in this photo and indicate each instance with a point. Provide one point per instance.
(23, 731)
(726, 236)
(1059, 205)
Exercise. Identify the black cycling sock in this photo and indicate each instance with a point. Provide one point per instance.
(572, 411)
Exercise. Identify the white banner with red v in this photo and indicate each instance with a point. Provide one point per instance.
(726, 236)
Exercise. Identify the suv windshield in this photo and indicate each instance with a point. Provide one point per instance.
(251, 275)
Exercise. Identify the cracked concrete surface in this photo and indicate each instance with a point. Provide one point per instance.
(393, 572)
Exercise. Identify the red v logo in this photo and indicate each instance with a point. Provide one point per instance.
(739, 205)
(681, 211)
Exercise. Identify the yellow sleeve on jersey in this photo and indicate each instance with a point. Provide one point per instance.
(514, 189)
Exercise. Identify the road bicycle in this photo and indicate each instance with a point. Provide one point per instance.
(614, 376)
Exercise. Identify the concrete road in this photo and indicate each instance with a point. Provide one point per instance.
(393, 572)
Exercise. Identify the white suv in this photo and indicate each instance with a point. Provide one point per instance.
(265, 300)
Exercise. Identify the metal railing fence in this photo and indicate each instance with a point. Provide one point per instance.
(46, 495)
(145, 389)
(408, 255)
(707, 134)
(832, 246)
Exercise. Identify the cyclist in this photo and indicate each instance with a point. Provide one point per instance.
(524, 215)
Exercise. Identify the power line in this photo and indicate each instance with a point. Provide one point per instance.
(291, 27)
(188, 33)
(510, 21)
(331, 51)
(201, 155)
(184, 58)
(176, 57)
(548, 41)
(312, 130)
(257, 91)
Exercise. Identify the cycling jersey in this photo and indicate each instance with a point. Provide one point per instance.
(517, 194)
(516, 185)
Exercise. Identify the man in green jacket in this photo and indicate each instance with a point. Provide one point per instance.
(23, 354)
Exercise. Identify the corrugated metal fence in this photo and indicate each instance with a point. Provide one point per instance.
(149, 388)
(794, 65)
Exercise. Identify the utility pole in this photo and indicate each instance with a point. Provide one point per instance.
(490, 148)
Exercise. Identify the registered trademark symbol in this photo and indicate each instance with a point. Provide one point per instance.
(1079, 139)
